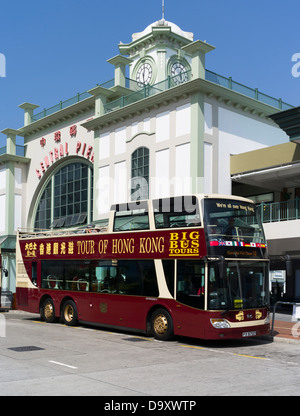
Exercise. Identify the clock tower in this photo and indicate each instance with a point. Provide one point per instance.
(157, 53)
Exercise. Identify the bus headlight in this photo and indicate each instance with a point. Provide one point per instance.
(219, 323)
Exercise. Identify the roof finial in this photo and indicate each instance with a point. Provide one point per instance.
(163, 9)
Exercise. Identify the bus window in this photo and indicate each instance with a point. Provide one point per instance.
(131, 219)
(34, 273)
(190, 283)
(128, 277)
(52, 274)
(217, 290)
(176, 212)
(168, 266)
(68, 275)
(137, 277)
(243, 286)
(232, 221)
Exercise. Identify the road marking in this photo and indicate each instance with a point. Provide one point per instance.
(252, 356)
(229, 353)
(64, 365)
(144, 338)
(195, 348)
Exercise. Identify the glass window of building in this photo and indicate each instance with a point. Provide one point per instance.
(140, 174)
(67, 200)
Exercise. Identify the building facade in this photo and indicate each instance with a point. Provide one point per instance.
(271, 176)
(165, 125)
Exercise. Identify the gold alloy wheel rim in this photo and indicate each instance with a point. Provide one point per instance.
(48, 310)
(160, 324)
(69, 313)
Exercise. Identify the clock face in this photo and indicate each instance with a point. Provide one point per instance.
(179, 73)
(144, 74)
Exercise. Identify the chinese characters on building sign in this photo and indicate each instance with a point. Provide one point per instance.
(81, 149)
(73, 131)
(57, 136)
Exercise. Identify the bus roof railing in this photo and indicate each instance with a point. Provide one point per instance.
(36, 232)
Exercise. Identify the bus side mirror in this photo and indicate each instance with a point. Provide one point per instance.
(4, 271)
(222, 265)
(288, 265)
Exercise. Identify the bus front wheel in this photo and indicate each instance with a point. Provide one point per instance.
(162, 325)
(69, 313)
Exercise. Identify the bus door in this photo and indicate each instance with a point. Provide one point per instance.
(96, 282)
(190, 293)
(108, 302)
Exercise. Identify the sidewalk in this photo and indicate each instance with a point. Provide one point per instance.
(284, 329)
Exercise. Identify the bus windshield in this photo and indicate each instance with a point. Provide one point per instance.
(243, 285)
(236, 221)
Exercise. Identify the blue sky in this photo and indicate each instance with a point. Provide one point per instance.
(56, 48)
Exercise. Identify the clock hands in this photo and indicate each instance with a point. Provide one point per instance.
(179, 73)
(144, 74)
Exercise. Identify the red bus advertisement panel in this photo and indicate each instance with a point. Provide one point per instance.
(138, 245)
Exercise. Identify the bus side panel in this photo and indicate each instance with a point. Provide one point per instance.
(188, 322)
(116, 310)
(27, 299)
(132, 312)
(22, 297)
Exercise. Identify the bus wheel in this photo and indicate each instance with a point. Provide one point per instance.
(162, 325)
(48, 311)
(69, 313)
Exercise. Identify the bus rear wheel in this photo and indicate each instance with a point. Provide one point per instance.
(162, 325)
(69, 313)
(48, 311)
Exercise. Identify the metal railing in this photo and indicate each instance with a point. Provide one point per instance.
(243, 89)
(274, 311)
(20, 150)
(42, 233)
(145, 91)
(67, 103)
(140, 92)
(60, 106)
(280, 211)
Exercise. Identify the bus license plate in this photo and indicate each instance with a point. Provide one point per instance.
(249, 334)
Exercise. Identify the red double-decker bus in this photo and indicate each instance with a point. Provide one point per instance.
(192, 266)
